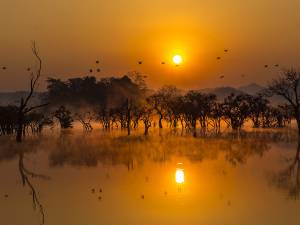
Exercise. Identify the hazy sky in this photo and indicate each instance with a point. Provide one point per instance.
(72, 34)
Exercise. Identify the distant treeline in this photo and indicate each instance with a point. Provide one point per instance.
(126, 102)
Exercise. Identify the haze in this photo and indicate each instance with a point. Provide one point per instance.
(72, 35)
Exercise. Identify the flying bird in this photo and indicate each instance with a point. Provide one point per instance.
(225, 50)
(163, 63)
(266, 66)
(222, 77)
(140, 62)
(91, 70)
(218, 58)
(97, 62)
(276, 65)
(4, 67)
(98, 70)
(28, 69)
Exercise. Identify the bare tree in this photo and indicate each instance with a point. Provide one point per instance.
(287, 86)
(25, 107)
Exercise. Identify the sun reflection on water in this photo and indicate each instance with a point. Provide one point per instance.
(179, 175)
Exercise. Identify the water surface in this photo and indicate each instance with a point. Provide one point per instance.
(109, 178)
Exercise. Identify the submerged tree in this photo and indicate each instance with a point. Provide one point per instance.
(24, 107)
(64, 117)
(287, 86)
(236, 110)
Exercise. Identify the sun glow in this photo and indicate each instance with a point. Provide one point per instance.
(177, 59)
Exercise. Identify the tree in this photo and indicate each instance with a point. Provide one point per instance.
(258, 105)
(64, 117)
(287, 86)
(25, 107)
(236, 110)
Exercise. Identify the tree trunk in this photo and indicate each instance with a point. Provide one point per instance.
(160, 122)
(128, 117)
(20, 127)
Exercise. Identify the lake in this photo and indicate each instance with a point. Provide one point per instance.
(166, 178)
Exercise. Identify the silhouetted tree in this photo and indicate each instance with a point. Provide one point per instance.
(24, 106)
(287, 86)
(64, 117)
(236, 110)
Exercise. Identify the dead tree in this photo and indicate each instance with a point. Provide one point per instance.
(24, 107)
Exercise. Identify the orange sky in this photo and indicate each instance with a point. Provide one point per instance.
(72, 34)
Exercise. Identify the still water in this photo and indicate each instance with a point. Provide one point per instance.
(106, 178)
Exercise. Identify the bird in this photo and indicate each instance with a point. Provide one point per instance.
(218, 57)
(142, 196)
(166, 193)
(225, 50)
(140, 62)
(163, 63)
(222, 77)
(93, 190)
(276, 65)
(91, 70)
(100, 190)
(98, 70)
(4, 67)
(99, 198)
(6, 195)
(28, 69)
(97, 62)
(266, 66)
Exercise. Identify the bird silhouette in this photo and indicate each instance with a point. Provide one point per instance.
(222, 77)
(98, 70)
(97, 62)
(28, 69)
(142, 196)
(4, 68)
(266, 66)
(163, 63)
(100, 190)
(91, 70)
(225, 50)
(140, 62)
(218, 58)
(93, 190)
(276, 65)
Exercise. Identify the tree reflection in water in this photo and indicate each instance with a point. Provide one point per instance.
(25, 176)
(288, 179)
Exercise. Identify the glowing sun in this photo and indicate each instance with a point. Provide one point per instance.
(177, 59)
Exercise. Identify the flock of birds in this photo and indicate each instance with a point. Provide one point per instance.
(140, 62)
(242, 75)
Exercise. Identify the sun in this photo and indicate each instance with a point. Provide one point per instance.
(177, 59)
